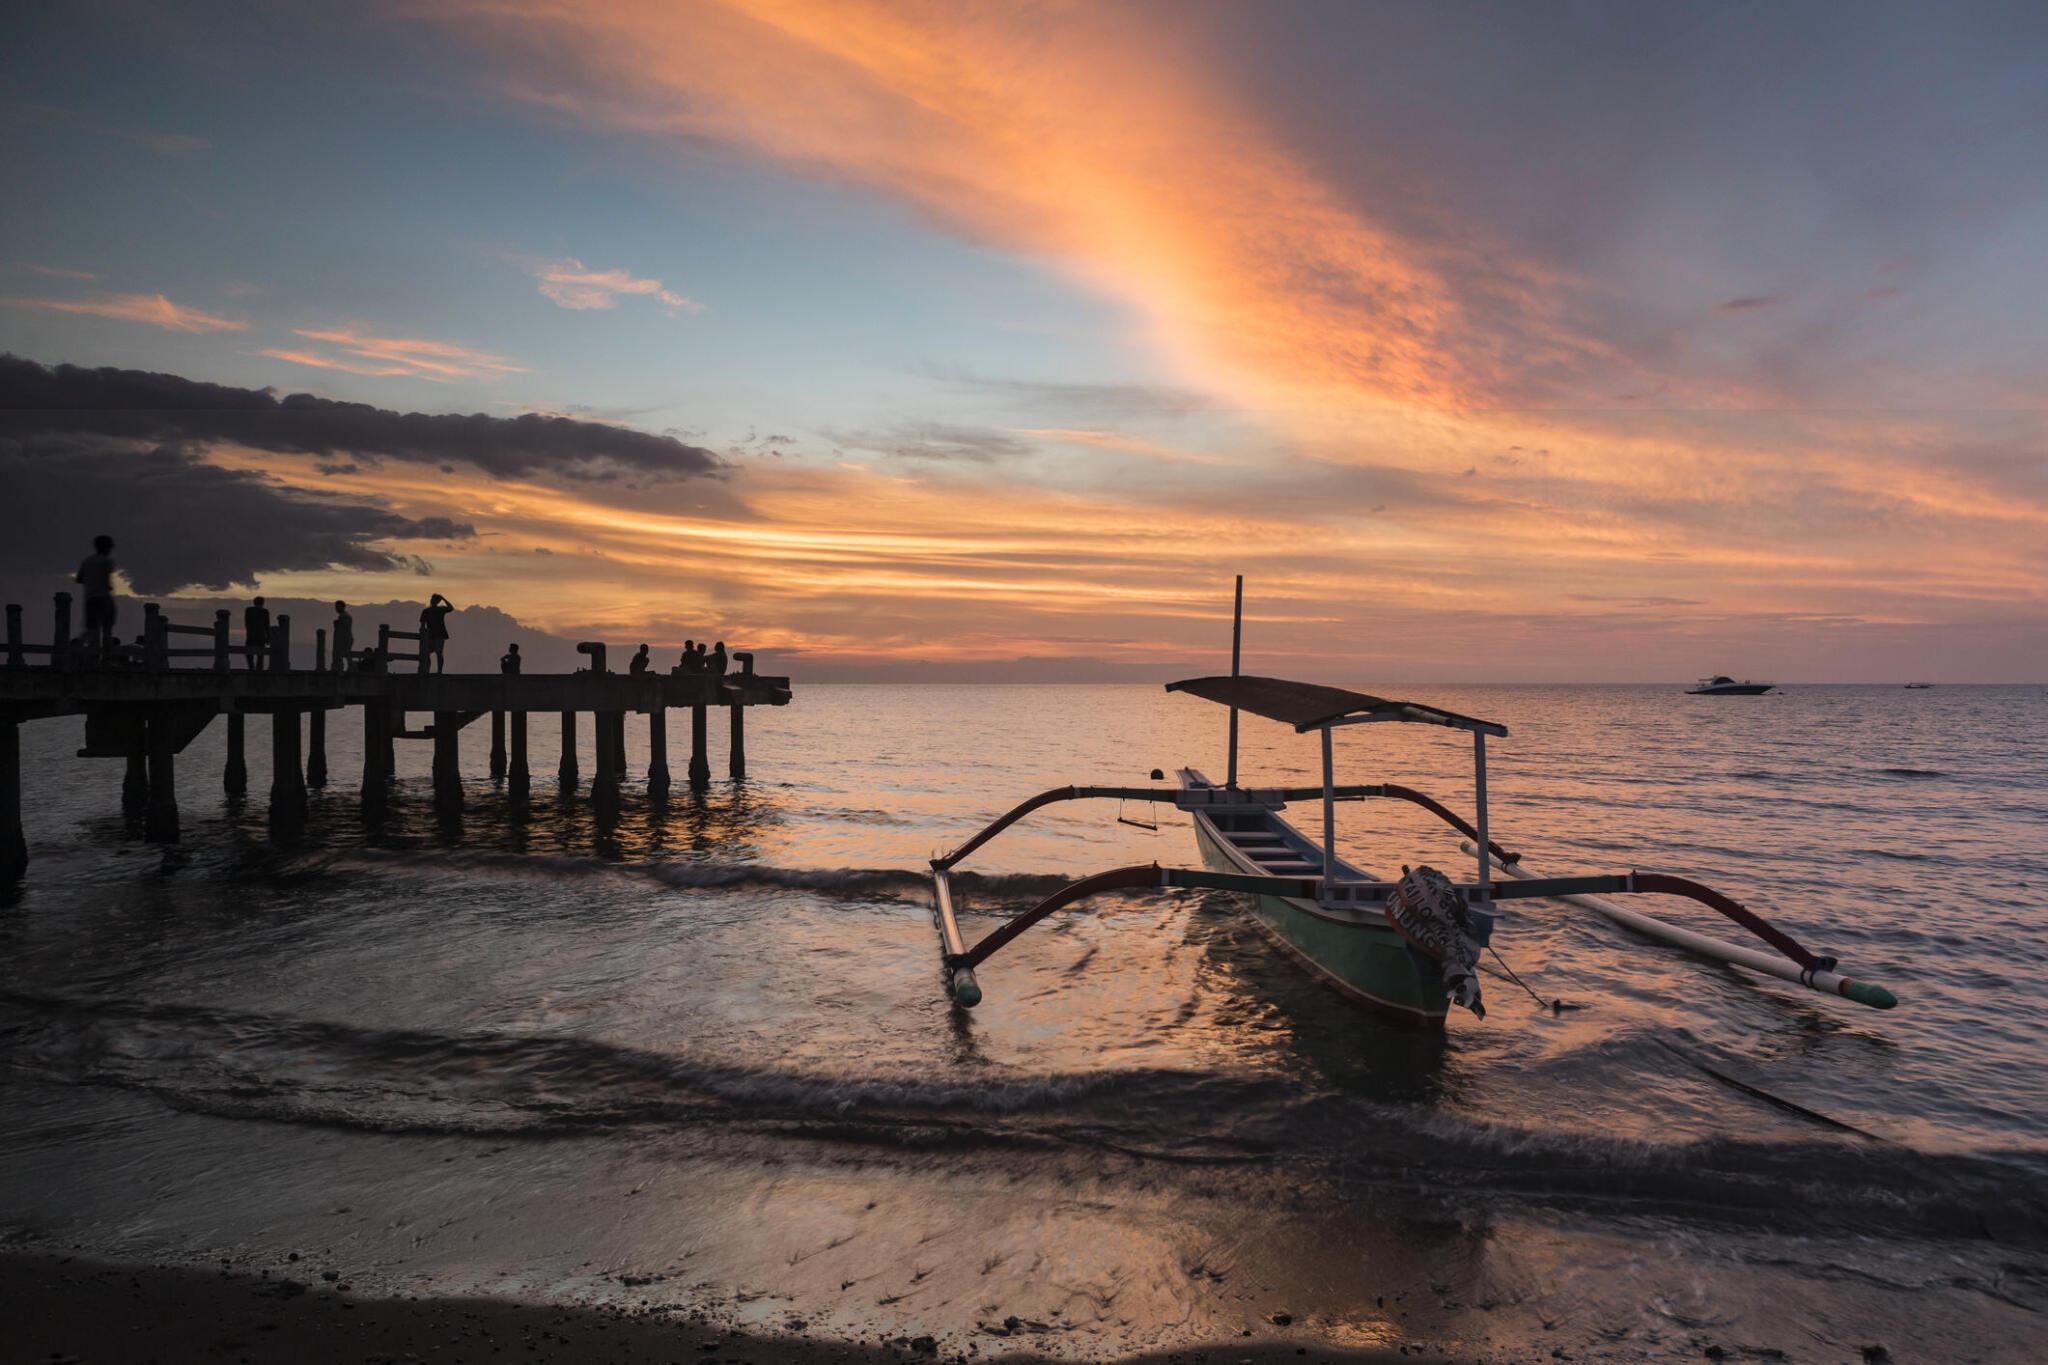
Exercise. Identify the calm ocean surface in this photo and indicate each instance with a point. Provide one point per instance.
(703, 1053)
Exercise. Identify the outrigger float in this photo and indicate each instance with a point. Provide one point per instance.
(1406, 949)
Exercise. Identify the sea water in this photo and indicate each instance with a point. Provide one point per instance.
(701, 1054)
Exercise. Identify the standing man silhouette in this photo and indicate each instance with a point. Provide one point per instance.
(344, 637)
(96, 576)
(434, 630)
(256, 633)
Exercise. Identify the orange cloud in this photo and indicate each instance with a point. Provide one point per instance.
(417, 357)
(1058, 131)
(326, 362)
(153, 309)
(572, 284)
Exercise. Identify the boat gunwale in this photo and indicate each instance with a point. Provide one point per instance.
(1392, 1011)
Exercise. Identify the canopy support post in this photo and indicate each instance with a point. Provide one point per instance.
(1330, 813)
(1479, 783)
(1236, 643)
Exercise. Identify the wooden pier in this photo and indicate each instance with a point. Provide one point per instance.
(142, 707)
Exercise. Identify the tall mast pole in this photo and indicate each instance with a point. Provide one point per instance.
(1236, 643)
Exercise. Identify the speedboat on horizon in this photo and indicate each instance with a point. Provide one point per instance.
(1721, 685)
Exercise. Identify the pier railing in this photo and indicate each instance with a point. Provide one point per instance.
(152, 650)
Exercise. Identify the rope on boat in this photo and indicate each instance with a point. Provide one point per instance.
(1554, 1006)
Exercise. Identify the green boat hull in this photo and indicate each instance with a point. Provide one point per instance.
(1370, 965)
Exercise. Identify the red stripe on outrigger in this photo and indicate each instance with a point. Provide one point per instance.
(1748, 919)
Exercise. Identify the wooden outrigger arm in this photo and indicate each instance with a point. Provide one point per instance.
(1801, 968)
(960, 961)
(1798, 965)
(1267, 796)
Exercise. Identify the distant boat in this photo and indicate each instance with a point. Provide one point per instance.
(1917, 687)
(1721, 685)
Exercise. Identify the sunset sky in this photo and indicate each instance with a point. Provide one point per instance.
(1490, 342)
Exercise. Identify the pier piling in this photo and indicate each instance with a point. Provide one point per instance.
(287, 777)
(657, 753)
(60, 643)
(497, 743)
(736, 753)
(316, 747)
(135, 781)
(234, 773)
(160, 819)
(316, 721)
(604, 786)
(519, 779)
(374, 775)
(565, 771)
(700, 766)
(448, 762)
(13, 847)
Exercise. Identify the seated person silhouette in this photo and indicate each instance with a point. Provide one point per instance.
(508, 662)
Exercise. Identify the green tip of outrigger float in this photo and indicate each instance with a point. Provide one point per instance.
(1863, 993)
(966, 990)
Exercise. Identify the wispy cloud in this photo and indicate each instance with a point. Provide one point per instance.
(55, 272)
(417, 357)
(1119, 441)
(1749, 303)
(327, 362)
(936, 442)
(153, 309)
(1078, 141)
(572, 284)
(164, 144)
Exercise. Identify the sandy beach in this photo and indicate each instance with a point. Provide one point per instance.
(72, 1311)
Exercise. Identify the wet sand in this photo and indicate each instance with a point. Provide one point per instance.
(70, 1311)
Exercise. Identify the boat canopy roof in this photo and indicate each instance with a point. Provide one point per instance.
(1311, 706)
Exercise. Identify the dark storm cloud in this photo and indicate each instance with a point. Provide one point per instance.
(139, 405)
(180, 522)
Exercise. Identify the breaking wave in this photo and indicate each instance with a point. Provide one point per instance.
(1246, 1127)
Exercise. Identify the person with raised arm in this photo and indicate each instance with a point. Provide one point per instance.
(434, 632)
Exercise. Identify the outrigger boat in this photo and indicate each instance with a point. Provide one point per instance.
(1405, 949)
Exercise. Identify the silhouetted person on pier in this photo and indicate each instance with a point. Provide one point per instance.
(373, 661)
(434, 630)
(639, 664)
(715, 665)
(96, 576)
(688, 663)
(344, 637)
(508, 662)
(256, 633)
